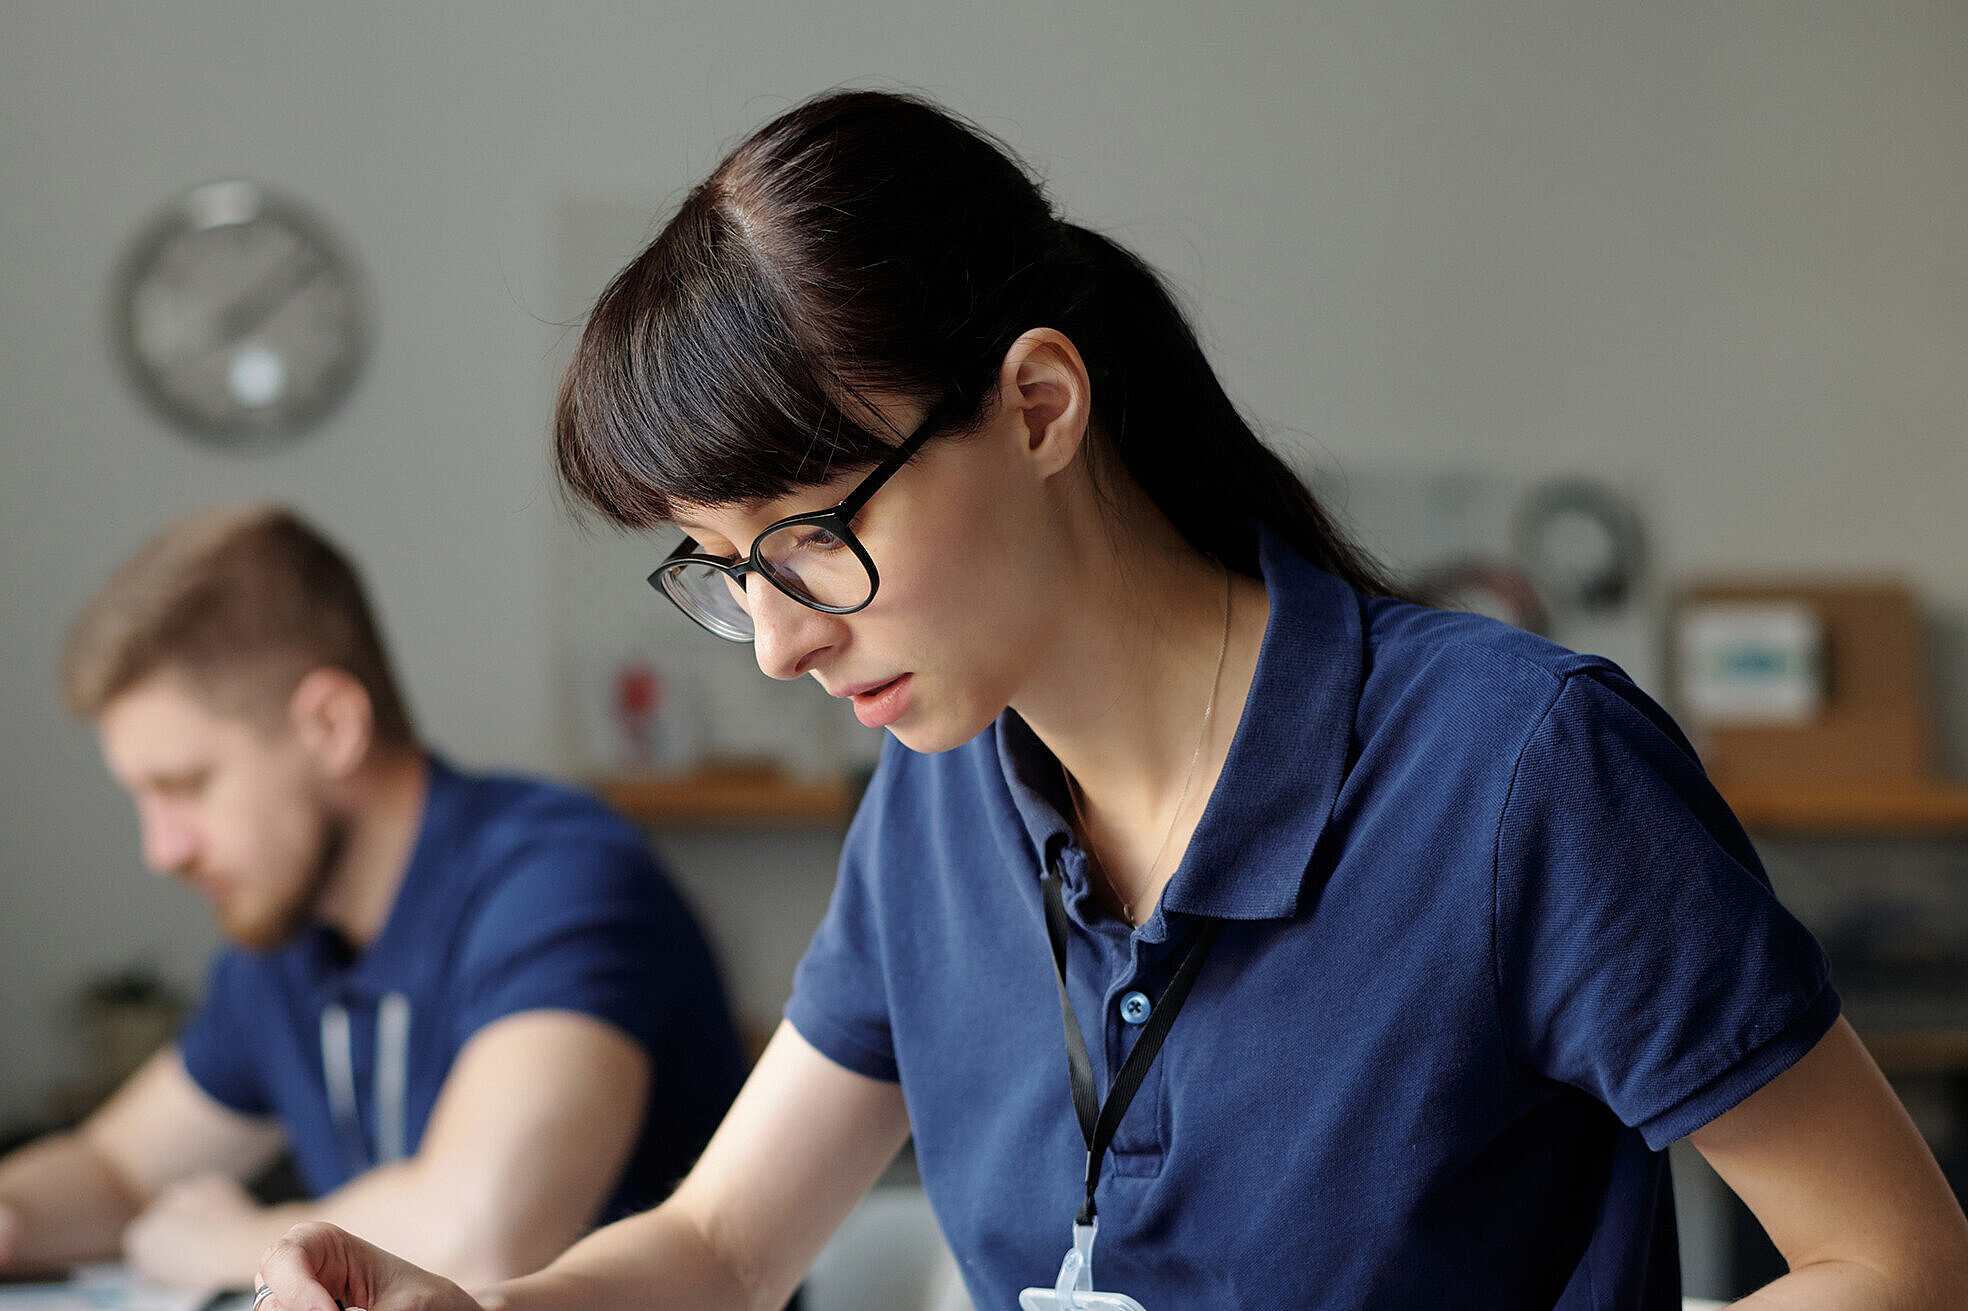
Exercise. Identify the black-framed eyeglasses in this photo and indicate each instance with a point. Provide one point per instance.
(815, 558)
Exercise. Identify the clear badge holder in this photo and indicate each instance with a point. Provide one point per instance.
(1074, 1290)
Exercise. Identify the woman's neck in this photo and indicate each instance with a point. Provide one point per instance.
(1139, 699)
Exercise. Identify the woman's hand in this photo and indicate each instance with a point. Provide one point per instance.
(314, 1267)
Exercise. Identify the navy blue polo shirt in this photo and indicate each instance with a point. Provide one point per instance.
(1490, 943)
(519, 896)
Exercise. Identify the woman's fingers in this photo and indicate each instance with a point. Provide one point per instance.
(317, 1267)
(309, 1268)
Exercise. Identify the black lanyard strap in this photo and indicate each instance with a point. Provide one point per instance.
(1099, 1120)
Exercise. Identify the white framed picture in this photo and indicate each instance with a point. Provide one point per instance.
(1750, 662)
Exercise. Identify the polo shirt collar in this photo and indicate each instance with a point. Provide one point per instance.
(1251, 855)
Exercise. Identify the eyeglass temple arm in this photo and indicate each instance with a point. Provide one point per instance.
(898, 457)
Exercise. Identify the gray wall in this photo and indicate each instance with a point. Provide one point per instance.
(1712, 252)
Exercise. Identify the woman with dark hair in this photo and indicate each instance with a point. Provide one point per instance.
(1332, 950)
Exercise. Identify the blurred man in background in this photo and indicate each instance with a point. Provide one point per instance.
(470, 1008)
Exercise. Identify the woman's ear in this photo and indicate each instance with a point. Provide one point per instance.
(1044, 382)
(331, 714)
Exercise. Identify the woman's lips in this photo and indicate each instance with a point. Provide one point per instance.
(882, 705)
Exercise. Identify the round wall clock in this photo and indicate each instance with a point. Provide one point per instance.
(239, 318)
(1581, 541)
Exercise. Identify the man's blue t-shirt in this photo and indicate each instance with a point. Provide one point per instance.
(519, 896)
(1490, 943)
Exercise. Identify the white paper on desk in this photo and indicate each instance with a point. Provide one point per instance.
(99, 1288)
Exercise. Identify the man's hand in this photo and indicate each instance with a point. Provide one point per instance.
(316, 1265)
(195, 1230)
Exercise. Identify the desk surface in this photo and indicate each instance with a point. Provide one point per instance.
(111, 1288)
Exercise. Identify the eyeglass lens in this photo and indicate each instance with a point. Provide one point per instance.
(808, 561)
(814, 562)
(712, 598)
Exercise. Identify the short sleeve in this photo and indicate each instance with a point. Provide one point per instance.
(1641, 954)
(575, 924)
(217, 1043)
(840, 995)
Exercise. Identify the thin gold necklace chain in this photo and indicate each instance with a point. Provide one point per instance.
(1202, 736)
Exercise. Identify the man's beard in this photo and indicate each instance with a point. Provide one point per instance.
(277, 925)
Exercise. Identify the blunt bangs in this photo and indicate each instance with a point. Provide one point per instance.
(691, 383)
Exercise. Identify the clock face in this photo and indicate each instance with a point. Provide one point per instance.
(239, 319)
(1581, 541)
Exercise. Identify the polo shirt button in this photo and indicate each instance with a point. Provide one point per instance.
(1135, 1008)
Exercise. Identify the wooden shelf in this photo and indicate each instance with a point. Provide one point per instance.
(731, 796)
(1907, 807)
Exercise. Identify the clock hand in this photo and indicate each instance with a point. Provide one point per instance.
(244, 316)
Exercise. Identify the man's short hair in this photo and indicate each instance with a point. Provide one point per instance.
(240, 603)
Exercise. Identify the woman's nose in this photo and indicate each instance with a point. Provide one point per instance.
(787, 635)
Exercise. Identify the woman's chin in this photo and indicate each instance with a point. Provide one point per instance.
(929, 736)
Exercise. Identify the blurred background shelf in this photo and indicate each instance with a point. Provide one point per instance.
(1918, 1051)
(1917, 807)
(731, 796)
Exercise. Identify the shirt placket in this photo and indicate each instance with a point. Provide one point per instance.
(1134, 978)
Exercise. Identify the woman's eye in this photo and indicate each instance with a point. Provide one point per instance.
(817, 539)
